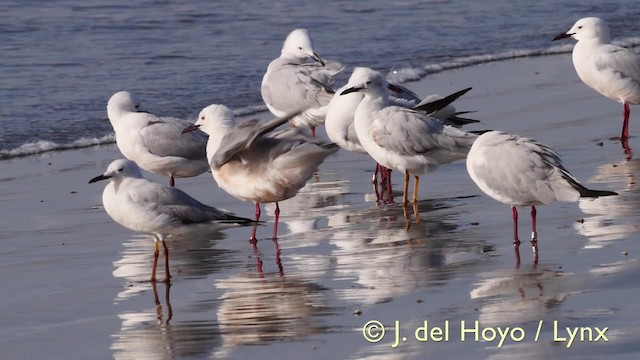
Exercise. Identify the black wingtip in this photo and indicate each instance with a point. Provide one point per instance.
(434, 106)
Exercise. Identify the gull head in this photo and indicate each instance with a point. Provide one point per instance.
(118, 170)
(213, 119)
(121, 103)
(587, 28)
(298, 46)
(368, 81)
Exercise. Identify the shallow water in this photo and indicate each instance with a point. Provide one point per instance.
(61, 60)
(75, 282)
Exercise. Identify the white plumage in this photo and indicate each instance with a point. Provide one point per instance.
(519, 171)
(252, 165)
(156, 143)
(400, 138)
(292, 85)
(147, 207)
(611, 70)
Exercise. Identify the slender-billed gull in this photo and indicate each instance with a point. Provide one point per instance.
(156, 143)
(291, 85)
(147, 207)
(400, 138)
(252, 164)
(519, 171)
(341, 111)
(611, 70)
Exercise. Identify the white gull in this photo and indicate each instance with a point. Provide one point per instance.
(147, 207)
(519, 171)
(252, 164)
(611, 70)
(156, 143)
(292, 85)
(400, 138)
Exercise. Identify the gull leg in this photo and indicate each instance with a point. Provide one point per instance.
(534, 235)
(313, 131)
(167, 274)
(406, 188)
(516, 241)
(625, 124)
(624, 137)
(416, 179)
(275, 227)
(374, 182)
(253, 239)
(389, 188)
(156, 253)
(172, 181)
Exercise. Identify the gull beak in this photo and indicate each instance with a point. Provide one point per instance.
(317, 58)
(562, 36)
(351, 90)
(98, 178)
(190, 128)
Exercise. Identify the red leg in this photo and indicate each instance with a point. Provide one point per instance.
(625, 124)
(167, 274)
(313, 131)
(534, 236)
(275, 227)
(516, 241)
(172, 181)
(374, 181)
(534, 233)
(624, 137)
(389, 190)
(253, 239)
(155, 261)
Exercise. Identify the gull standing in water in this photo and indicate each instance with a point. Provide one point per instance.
(156, 143)
(252, 165)
(611, 70)
(518, 171)
(341, 130)
(291, 85)
(147, 207)
(399, 138)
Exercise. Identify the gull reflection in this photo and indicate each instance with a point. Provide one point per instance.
(614, 217)
(257, 309)
(386, 260)
(516, 296)
(150, 334)
(302, 213)
(191, 250)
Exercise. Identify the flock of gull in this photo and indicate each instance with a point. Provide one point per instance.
(260, 162)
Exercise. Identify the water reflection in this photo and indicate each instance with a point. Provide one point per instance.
(150, 334)
(613, 217)
(302, 213)
(516, 297)
(192, 255)
(386, 260)
(258, 309)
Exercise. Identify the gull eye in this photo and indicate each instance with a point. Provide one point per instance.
(119, 170)
(299, 47)
(579, 27)
(368, 82)
(202, 118)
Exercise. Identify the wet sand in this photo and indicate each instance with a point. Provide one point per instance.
(75, 282)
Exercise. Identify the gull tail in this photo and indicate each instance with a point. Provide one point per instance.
(584, 192)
